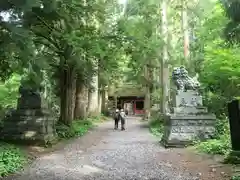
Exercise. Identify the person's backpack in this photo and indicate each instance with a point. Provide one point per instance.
(116, 115)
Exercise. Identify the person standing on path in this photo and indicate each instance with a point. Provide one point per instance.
(123, 119)
(116, 118)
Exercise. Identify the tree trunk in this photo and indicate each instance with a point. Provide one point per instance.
(93, 97)
(81, 101)
(147, 100)
(89, 101)
(164, 62)
(67, 97)
(100, 101)
(185, 33)
(73, 100)
(104, 100)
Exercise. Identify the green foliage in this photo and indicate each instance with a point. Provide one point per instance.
(219, 71)
(9, 91)
(221, 143)
(156, 126)
(78, 128)
(235, 178)
(8, 94)
(141, 23)
(215, 146)
(11, 159)
(222, 127)
(219, 75)
(98, 118)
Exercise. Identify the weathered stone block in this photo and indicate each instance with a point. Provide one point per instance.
(189, 110)
(31, 122)
(182, 130)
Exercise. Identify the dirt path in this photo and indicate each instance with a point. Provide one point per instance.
(105, 154)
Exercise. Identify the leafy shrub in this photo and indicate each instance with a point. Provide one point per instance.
(8, 94)
(156, 127)
(9, 91)
(11, 159)
(235, 178)
(215, 146)
(222, 127)
(78, 128)
(99, 118)
(221, 143)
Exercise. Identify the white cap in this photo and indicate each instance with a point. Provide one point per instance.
(117, 110)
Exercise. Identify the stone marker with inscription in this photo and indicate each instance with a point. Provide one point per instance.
(31, 122)
(188, 119)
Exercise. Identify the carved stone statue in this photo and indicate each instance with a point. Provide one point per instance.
(182, 81)
(189, 119)
(29, 98)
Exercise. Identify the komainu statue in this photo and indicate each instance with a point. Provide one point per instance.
(183, 81)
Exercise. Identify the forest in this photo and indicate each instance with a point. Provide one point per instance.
(75, 50)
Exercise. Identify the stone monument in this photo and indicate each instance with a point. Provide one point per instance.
(188, 119)
(31, 122)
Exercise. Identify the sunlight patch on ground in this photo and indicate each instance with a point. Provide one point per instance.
(62, 169)
(86, 169)
(52, 157)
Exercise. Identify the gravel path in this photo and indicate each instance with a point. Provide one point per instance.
(105, 154)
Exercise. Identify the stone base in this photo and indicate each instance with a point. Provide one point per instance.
(181, 130)
(190, 110)
(29, 126)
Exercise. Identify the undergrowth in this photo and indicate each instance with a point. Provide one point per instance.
(235, 178)
(156, 127)
(220, 144)
(11, 159)
(78, 127)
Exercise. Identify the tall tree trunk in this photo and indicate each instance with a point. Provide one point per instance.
(81, 101)
(185, 33)
(104, 100)
(147, 100)
(100, 100)
(68, 90)
(89, 100)
(93, 97)
(164, 62)
(74, 85)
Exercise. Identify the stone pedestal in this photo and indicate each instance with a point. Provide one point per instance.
(188, 121)
(182, 130)
(30, 123)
